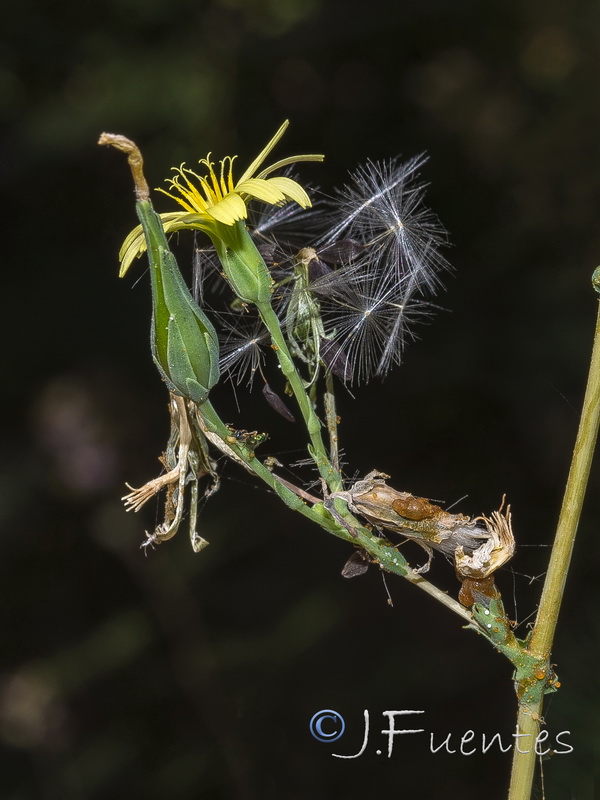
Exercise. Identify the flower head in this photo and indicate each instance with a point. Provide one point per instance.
(213, 198)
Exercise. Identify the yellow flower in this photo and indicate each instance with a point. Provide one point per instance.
(214, 199)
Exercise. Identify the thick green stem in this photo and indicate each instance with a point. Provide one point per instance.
(524, 759)
(313, 425)
(543, 632)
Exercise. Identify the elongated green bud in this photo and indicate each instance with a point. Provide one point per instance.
(242, 264)
(184, 343)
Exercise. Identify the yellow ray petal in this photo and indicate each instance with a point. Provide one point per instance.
(261, 190)
(291, 189)
(229, 210)
(264, 153)
(285, 162)
(135, 244)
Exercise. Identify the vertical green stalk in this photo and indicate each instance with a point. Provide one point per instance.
(542, 637)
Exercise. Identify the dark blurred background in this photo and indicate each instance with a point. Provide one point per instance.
(195, 676)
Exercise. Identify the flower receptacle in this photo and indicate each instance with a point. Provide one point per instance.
(242, 264)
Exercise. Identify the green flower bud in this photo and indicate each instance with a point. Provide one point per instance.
(184, 342)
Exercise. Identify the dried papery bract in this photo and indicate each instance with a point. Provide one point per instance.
(186, 459)
(477, 546)
(493, 554)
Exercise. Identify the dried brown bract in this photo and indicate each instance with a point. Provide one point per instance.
(476, 545)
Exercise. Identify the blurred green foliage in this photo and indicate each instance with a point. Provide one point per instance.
(195, 676)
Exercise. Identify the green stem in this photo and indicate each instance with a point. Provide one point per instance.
(382, 551)
(216, 425)
(523, 766)
(543, 632)
(313, 425)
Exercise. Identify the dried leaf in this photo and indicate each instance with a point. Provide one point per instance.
(277, 403)
(356, 565)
